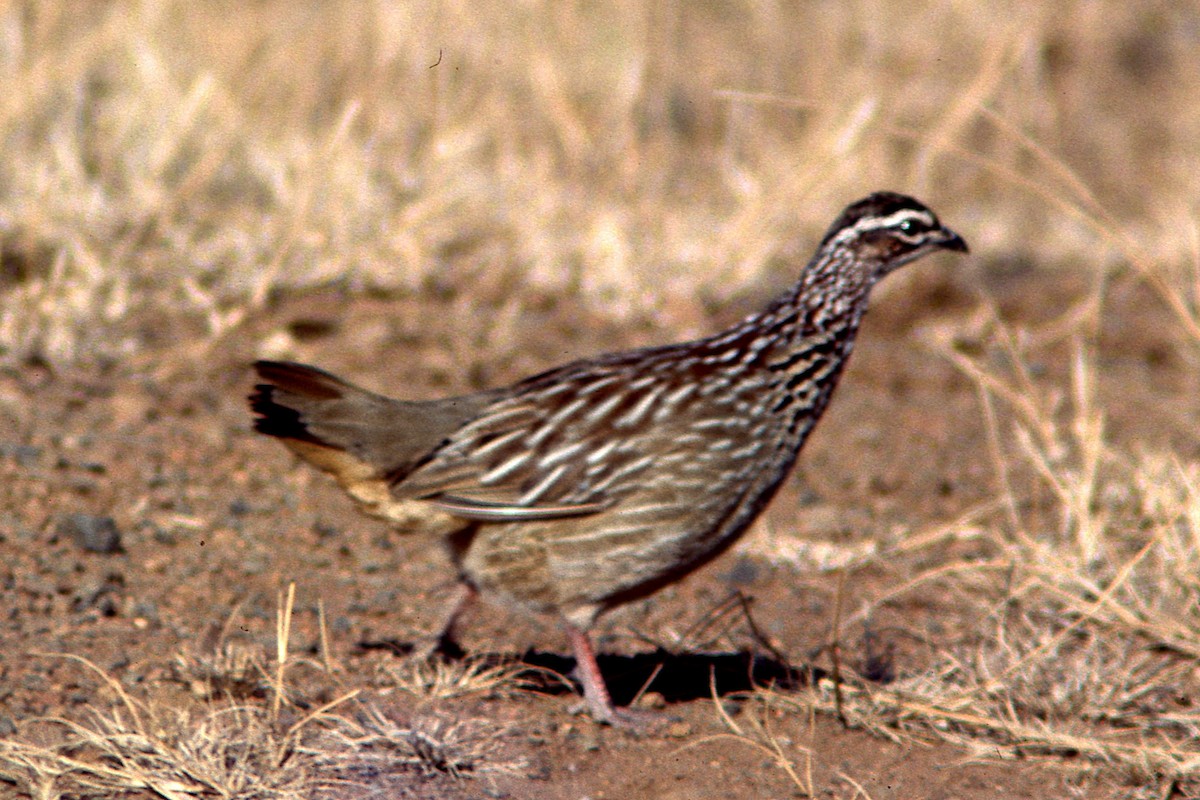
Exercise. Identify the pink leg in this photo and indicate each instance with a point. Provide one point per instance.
(596, 693)
(594, 690)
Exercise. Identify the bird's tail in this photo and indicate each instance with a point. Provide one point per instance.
(357, 435)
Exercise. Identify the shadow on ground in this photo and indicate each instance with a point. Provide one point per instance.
(677, 677)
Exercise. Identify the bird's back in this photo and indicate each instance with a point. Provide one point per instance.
(676, 449)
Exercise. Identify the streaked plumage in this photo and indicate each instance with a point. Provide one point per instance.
(605, 479)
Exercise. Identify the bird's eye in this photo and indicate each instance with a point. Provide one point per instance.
(908, 226)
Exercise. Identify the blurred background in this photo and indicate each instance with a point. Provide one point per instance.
(652, 159)
(434, 197)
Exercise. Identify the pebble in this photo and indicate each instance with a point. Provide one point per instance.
(25, 455)
(679, 730)
(94, 534)
(162, 535)
(324, 530)
(589, 738)
(652, 700)
(744, 572)
(99, 596)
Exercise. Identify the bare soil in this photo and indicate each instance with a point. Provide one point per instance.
(215, 522)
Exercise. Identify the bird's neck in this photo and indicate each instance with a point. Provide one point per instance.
(827, 294)
(823, 309)
(825, 302)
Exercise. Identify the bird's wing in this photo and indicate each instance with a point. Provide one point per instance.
(563, 444)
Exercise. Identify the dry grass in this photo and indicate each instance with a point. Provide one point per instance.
(1088, 626)
(351, 746)
(196, 159)
(188, 162)
(232, 669)
(374, 746)
(230, 752)
(239, 752)
(437, 679)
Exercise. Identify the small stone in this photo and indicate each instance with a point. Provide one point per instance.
(94, 534)
(679, 730)
(99, 596)
(652, 700)
(589, 738)
(744, 572)
(26, 456)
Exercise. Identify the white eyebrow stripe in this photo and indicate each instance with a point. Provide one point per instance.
(907, 213)
(875, 223)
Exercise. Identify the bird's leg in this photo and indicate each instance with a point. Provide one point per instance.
(445, 642)
(595, 692)
(588, 672)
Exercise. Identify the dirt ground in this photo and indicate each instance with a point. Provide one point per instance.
(981, 581)
(215, 522)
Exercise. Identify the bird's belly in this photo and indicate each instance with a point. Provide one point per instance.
(592, 562)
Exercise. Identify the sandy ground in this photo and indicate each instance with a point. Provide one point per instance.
(210, 523)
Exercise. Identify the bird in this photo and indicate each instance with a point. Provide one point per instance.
(603, 480)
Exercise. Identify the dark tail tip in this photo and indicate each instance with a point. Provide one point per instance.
(275, 419)
(269, 401)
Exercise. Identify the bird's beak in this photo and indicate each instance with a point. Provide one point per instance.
(952, 241)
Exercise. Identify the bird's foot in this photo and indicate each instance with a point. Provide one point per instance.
(634, 721)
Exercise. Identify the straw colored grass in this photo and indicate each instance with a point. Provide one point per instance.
(1087, 627)
(352, 746)
(238, 752)
(171, 168)
(196, 159)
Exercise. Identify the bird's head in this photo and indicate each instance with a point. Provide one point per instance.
(887, 230)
